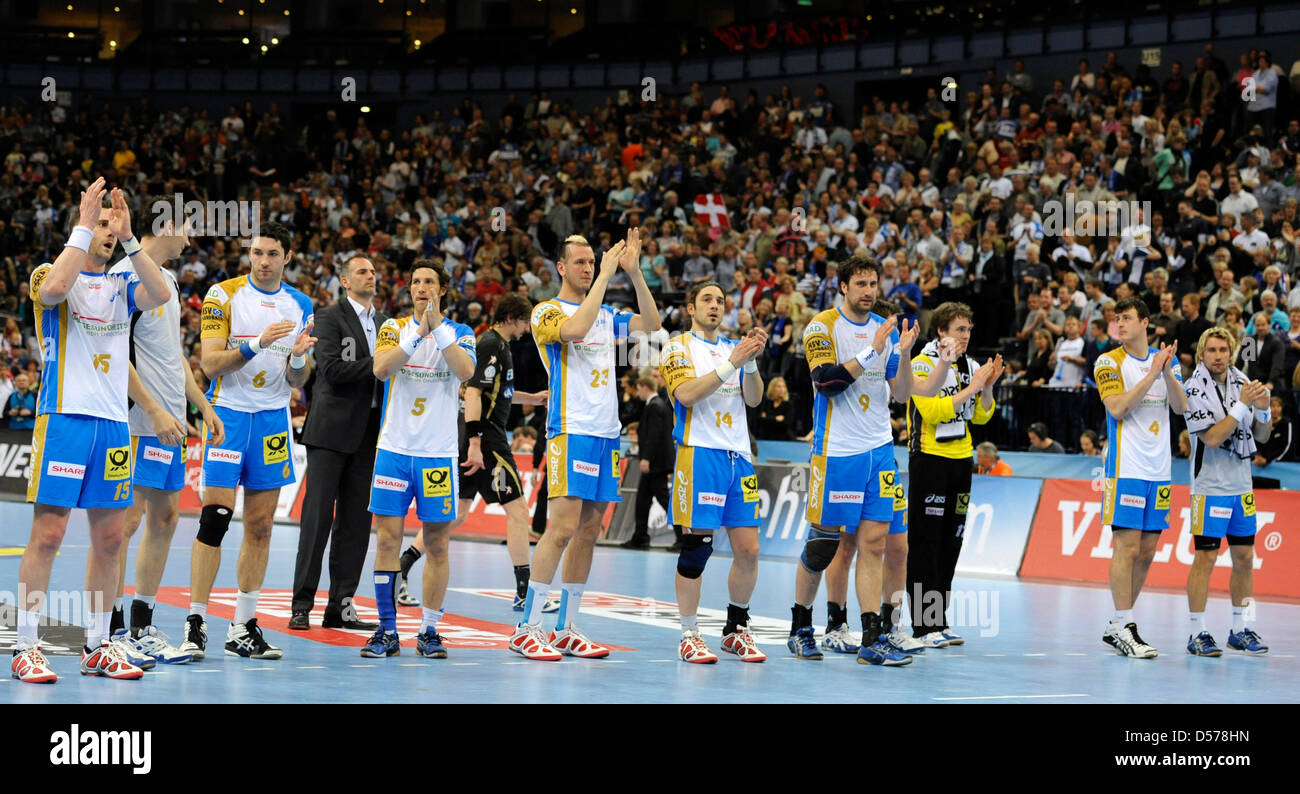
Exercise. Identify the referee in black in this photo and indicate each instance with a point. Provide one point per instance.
(341, 434)
(939, 476)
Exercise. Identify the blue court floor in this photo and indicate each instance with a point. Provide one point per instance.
(1025, 642)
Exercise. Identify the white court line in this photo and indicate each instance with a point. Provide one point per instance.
(251, 669)
(1012, 697)
(955, 655)
(453, 664)
(995, 654)
(1076, 654)
(660, 661)
(357, 665)
(514, 663)
(614, 661)
(1035, 654)
(311, 667)
(416, 664)
(209, 671)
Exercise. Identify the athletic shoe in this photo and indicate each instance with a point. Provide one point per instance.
(247, 641)
(382, 645)
(135, 657)
(741, 643)
(196, 637)
(109, 661)
(570, 641)
(30, 665)
(551, 605)
(904, 642)
(934, 639)
(1203, 645)
(529, 642)
(882, 652)
(953, 637)
(404, 597)
(840, 639)
(1247, 641)
(1107, 638)
(154, 644)
(429, 645)
(803, 644)
(1129, 643)
(694, 650)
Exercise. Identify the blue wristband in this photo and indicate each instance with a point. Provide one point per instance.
(131, 246)
(246, 350)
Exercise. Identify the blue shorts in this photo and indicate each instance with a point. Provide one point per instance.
(714, 488)
(157, 465)
(1216, 516)
(80, 461)
(899, 525)
(583, 466)
(256, 453)
(431, 482)
(849, 489)
(1135, 504)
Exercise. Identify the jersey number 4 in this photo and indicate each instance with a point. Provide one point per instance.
(722, 419)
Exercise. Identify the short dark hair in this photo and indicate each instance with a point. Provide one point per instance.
(1136, 304)
(947, 312)
(885, 308)
(1100, 323)
(695, 291)
(436, 267)
(511, 307)
(347, 266)
(648, 382)
(1039, 429)
(854, 265)
(278, 232)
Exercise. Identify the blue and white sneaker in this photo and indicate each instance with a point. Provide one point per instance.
(404, 597)
(841, 639)
(1203, 645)
(122, 639)
(551, 605)
(153, 643)
(381, 645)
(803, 644)
(1247, 641)
(953, 637)
(429, 645)
(904, 642)
(882, 652)
(934, 639)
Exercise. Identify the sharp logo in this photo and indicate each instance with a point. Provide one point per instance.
(70, 470)
(844, 497)
(390, 484)
(1132, 500)
(219, 455)
(75, 747)
(583, 467)
(716, 499)
(163, 456)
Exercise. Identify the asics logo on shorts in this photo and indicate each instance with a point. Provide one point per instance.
(589, 469)
(219, 455)
(1132, 500)
(70, 470)
(390, 484)
(158, 454)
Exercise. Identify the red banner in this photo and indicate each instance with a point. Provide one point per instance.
(1068, 541)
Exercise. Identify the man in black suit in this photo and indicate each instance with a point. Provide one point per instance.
(658, 454)
(341, 433)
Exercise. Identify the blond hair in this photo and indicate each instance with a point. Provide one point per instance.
(1219, 332)
(573, 239)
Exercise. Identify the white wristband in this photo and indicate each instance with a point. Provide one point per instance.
(80, 238)
(751, 367)
(724, 371)
(255, 344)
(1263, 415)
(1241, 411)
(409, 345)
(444, 335)
(131, 246)
(866, 357)
(297, 362)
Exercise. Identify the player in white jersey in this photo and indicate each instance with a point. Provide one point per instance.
(711, 381)
(81, 454)
(1226, 415)
(854, 356)
(161, 381)
(577, 337)
(256, 335)
(1138, 385)
(418, 451)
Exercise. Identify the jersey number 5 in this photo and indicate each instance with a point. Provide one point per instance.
(419, 406)
(100, 361)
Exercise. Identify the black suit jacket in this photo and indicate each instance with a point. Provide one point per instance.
(656, 436)
(344, 384)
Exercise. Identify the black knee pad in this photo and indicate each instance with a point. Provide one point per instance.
(819, 549)
(695, 553)
(1241, 540)
(214, 522)
(1202, 543)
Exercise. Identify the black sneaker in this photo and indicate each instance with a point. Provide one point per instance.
(247, 641)
(196, 637)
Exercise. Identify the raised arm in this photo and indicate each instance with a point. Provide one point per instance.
(52, 284)
(579, 323)
(687, 389)
(156, 290)
(647, 318)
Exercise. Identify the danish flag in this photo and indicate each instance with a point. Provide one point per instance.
(711, 208)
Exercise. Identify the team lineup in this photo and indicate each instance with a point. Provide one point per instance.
(110, 439)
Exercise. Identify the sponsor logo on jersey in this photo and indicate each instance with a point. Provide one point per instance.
(844, 497)
(1132, 500)
(159, 454)
(935, 499)
(1220, 512)
(72, 471)
(390, 483)
(219, 455)
(583, 467)
(117, 463)
(707, 498)
(934, 511)
(437, 481)
(275, 449)
(1162, 497)
(963, 503)
(749, 487)
(1248, 504)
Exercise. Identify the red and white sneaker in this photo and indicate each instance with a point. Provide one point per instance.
(570, 641)
(30, 665)
(694, 650)
(109, 661)
(529, 642)
(742, 644)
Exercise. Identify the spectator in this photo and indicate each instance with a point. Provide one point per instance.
(21, 406)
(1279, 444)
(1068, 358)
(988, 461)
(1039, 369)
(1088, 443)
(655, 450)
(1040, 442)
(523, 439)
(1264, 362)
(775, 413)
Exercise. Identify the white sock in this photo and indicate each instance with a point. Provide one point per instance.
(538, 592)
(246, 606)
(97, 628)
(1123, 617)
(1198, 622)
(117, 605)
(198, 609)
(1238, 619)
(431, 618)
(571, 600)
(27, 625)
(690, 623)
(148, 601)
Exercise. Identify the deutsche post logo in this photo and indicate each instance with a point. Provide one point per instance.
(437, 482)
(117, 463)
(1162, 497)
(615, 468)
(749, 486)
(886, 483)
(963, 503)
(275, 449)
(1248, 504)
(900, 498)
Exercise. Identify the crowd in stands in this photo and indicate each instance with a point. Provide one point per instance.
(956, 200)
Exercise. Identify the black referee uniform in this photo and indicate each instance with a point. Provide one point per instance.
(498, 482)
